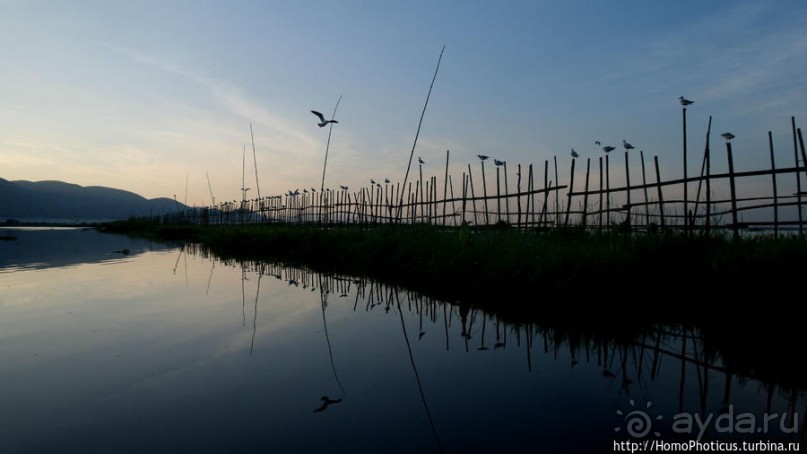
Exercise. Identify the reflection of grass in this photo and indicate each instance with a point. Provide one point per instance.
(732, 291)
(563, 272)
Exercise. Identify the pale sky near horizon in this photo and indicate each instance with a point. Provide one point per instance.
(140, 95)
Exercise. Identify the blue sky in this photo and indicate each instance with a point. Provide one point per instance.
(141, 95)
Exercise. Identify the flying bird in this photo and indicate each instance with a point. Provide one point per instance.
(575, 154)
(322, 120)
(727, 135)
(685, 102)
(497, 162)
(420, 160)
(627, 145)
(482, 157)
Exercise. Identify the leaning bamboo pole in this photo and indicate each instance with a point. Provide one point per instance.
(420, 123)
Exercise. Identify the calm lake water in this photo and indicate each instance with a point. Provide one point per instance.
(112, 344)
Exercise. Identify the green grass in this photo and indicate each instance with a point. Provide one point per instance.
(736, 292)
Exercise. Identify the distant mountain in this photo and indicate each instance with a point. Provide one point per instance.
(57, 200)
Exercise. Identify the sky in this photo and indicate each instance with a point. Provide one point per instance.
(156, 96)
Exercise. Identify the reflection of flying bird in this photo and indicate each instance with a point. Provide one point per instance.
(575, 154)
(727, 135)
(685, 102)
(325, 402)
(322, 120)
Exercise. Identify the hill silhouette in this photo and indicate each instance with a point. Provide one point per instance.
(57, 200)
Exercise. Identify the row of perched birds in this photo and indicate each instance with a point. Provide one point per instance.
(607, 149)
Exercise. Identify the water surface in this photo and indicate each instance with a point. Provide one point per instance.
(162, 349)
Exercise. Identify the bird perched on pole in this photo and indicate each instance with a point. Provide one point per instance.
(727, 135)
(420, 160)
(322, 121)
(685, 102)
(627, 145)
(482, 157)
(575, 154)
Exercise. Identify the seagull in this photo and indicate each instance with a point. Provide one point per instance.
(727, 135)
(313, 190)
(326, 401)
(322, 120)
(575, 154)
(608, 148)
(497, 162)
(420, 160)
(597, 143)
(372, 181)
(685, 102)
(627, 145)
(344, 188)
(482, 157)
(386, 180)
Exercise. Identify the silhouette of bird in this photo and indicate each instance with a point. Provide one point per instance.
(727, 135)
(597, 143)
(685, 102)
(575, 154)
(386, 180)
(627, 145)
(482, 157)
(608, 148)
(372, 181)
(305, 191)
(497, 162)
(344, 188)
(322, 120)
(420, 160)
(313, 190)
(325, 402)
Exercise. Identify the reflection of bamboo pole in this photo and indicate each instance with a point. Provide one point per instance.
(417, 376)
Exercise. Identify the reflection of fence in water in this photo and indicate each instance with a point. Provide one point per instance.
(631, 362)
(594, 204)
